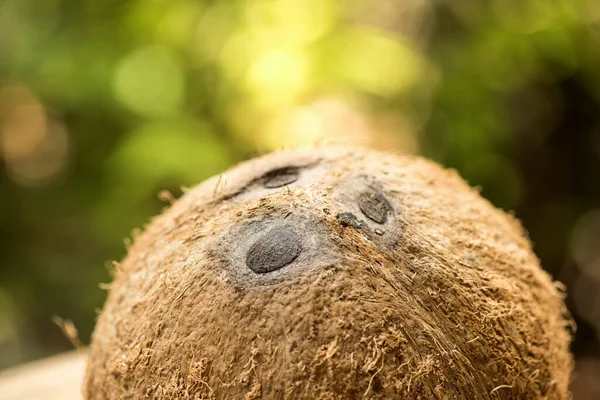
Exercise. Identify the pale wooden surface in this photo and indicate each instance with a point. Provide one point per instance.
(54, 378)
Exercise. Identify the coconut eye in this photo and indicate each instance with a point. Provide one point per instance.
(374, 206)
(274, 250)
(281, 177)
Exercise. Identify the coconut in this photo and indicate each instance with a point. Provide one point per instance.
(332, 273)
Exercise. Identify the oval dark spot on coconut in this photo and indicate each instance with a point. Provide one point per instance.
(274, 250)
(374, 206)
(281, 177)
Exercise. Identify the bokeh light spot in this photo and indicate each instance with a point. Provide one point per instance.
(586, 297)
(214, 29)
(185, 151)
(177, 25)
(33, 145)
(525, 16)
(325, 121)
(378, 62)
(285, 23)
(585, 244)
(149, 82)
(278, 76)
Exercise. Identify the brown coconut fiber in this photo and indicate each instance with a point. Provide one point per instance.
(332, 273)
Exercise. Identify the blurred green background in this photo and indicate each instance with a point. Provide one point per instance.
(105, 103)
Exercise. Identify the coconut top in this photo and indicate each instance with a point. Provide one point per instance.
(332, 271)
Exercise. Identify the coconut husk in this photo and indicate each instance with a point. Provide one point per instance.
(332, 273)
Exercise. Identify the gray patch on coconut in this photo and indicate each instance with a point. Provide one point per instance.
(349, 219)
(283, 178)
(363, 195)
(275, 248)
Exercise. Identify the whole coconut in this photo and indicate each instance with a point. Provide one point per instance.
(332, 273)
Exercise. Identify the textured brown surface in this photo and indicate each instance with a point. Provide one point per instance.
(442, 299)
